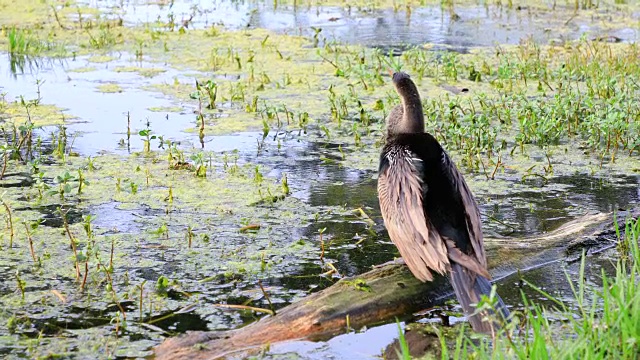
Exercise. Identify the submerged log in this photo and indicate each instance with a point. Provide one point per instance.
(384, 293)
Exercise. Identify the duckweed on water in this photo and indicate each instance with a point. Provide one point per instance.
(169, 109)
(171, 230)
(83, 69)
(100, 59)
(146, 72)
(31, 111)
(109, 88)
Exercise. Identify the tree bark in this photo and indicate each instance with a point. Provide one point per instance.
(384, 293)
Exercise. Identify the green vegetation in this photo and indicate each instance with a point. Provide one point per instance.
(604, 324)
(22, 42)
(109, 88)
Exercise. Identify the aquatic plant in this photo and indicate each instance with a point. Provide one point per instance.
(147, 137)
(23, 42)
(9, 218)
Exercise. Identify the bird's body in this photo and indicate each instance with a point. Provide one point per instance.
(428, 209)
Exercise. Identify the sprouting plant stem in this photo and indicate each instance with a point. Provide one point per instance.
(498, 163)
(267, 297)
(110, 280)
(189, 235)
(201, 133)
(80, 181)
(55, 14)
(86, 273)
(4, 164)
(21, 284)
(65, 223)
(111, 257)
(321, 231)
(128, 130)
(9, 223)
(141, 288)
(33, 253)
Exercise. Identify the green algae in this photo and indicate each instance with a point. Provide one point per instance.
(146, 72)
(169, 109)
(109, 88)
(83, 69)
(17, 113)
(166, 204)
(101, 58)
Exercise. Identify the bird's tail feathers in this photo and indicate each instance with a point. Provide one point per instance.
(469, 288)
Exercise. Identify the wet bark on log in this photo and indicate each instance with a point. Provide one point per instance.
(391, 292)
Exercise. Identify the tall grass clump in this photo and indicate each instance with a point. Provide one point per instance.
(21, 42)
(604, 322)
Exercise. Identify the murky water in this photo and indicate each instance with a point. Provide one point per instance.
(354, 245)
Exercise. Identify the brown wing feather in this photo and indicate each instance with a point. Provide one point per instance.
(400, 194)
(472, 215)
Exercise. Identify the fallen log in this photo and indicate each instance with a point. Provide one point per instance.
(383, 293)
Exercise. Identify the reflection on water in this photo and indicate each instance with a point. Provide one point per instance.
(368, 345)
(458, 26)
(100, 121)
(549, 205)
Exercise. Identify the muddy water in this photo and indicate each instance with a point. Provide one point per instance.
(329, 189)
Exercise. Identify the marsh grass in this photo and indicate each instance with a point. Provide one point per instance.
(22, 42)
(604, 322)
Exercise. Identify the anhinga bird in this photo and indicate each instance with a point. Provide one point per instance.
(427, 207)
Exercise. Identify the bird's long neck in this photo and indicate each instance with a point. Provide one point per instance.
(413, 117)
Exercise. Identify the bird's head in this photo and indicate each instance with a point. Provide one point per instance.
(408, 117)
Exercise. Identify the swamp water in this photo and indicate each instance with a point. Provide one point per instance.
(170, 228)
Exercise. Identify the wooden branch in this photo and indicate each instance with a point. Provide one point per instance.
(380, 295)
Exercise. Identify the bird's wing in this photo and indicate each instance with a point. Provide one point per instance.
(471, 212)
(400, 191)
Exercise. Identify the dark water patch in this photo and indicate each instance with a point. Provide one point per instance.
(114, 220)
(179, 323)
(52, 218)
(48, 322)
(58, 324)
(10, 180)
(398, 50)
(549, 204)
(353, 247)
(556, 279)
